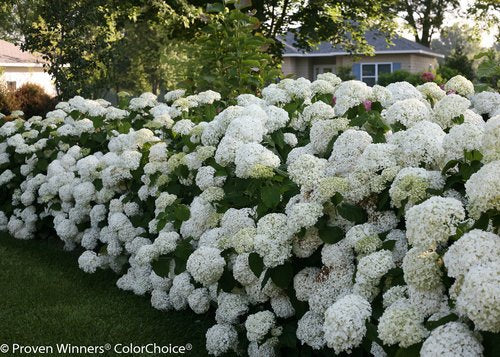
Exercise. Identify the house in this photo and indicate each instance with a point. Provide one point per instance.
(18, 67)
(404, 54)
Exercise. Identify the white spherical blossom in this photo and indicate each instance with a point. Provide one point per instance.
(450, 340)
(345, 321)
(221, 338)
(448, 108)
(258, 325)
(310, 330)
(407, 112)
(460, 85)
(432, 222)
(480, 295)
(206, 265)
(401, 323)
(483, 190)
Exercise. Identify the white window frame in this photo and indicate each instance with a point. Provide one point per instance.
(320, 69)
(376, 69)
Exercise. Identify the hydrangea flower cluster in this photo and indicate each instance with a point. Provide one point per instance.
(327, 215)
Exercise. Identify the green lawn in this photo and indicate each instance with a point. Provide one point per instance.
(46, 299)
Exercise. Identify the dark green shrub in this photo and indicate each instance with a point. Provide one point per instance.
(400, 76)
(345, 73)
(32, 100)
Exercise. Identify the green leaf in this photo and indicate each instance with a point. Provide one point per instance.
(388, 244)
(42, 165)
(183, 249)
(282, 275)
(161, 266)
(288, 336)
(227, 282)
(411, 351)
(459, 119)
(473, 155)
(353, 213)
(266, 277)
(271, 196)
(256, 264)
(181, 212)
(431, 325)
(331, 235)
(337, 198)
(98, 184)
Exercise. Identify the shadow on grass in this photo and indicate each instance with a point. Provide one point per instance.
(45, 299)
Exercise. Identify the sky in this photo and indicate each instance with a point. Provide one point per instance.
(487, 39)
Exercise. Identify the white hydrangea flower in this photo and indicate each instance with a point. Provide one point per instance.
(411, 185)
(460, 85)
(350, 94)
(206, 265)
(483, 190)
(407, 112)
(448, 108)
(479, 296)
(345, 321)
(485, 102)
(401, 323)
(490, 147)
(422, 269)
(254, 160)
(432, 222)
(89, 261)
(258, 325)
(461, 138)
(450, 340)
(221, 338)
(476, 247)
(310, 330)
(431, 90)
(307, 170)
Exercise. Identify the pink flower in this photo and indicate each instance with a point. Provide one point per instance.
(334, 100)
(368, 105)
(428, 76)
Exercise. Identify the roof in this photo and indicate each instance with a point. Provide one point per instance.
(375, 38)
(12, 55)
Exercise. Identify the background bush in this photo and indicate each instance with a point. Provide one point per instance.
(32, 100)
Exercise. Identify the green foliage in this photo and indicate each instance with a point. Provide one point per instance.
(232, 57)
(399, 76)
(488, 70)
(345, 73)
(457, 63)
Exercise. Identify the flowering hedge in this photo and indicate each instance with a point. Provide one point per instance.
(323, 216)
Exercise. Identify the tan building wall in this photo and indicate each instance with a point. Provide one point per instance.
(304, 66)
(20, 75)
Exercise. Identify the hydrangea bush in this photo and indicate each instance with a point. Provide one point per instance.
(324, 217)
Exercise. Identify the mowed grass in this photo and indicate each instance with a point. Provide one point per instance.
(46, 299)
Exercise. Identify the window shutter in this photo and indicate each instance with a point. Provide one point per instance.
(396, 66)
(356, 71)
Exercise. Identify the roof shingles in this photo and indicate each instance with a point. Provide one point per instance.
(10, 53)
(374, 38)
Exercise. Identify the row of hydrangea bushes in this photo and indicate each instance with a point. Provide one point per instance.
(319, 218)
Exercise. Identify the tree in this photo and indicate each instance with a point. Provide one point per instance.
(232, 57)
(337, 21)
(90, 44)
(458, 37)
(425, 17)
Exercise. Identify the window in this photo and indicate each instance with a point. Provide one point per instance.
(11, 86)
(319, 69)
(371, 71)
